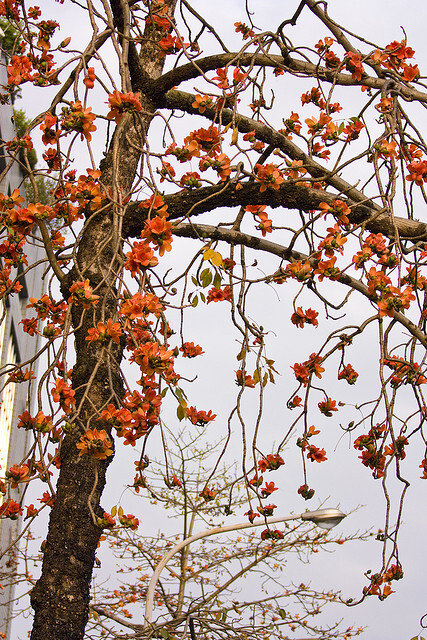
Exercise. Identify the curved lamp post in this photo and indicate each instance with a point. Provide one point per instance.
(324, 518)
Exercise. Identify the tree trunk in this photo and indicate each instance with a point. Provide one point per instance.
(61, 596)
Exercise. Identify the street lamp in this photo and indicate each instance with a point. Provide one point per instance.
(324, 518)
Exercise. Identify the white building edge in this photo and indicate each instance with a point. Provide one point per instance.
(15, 347)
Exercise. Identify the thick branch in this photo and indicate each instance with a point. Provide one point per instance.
(299, 67)
(289, 196)
(231, 236)
(183, 101)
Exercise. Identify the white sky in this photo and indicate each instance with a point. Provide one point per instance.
(397, 617)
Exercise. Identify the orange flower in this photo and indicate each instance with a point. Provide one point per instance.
(327, 407)
(140, 256)
(300, 317)
(348, 373)
(354, 65)
(244, 380)
(158, 231)
(353, 129)
(208, 140)
(9, 202)
(11, 509)
(387, 149)
(220, 164)
(201, 103)
(268, 489)
(19, 70)
(139, 305)
(217, 295)
(121, 103)
(63, 394)
(292, 124)
(315, 454)
(327, 269)
(152, 358)
(295, 169)
(89, 79)
(200, 417)
(269, 176)
(299, 270)
(270, 463)
(190, 350)
(315, 97)
(17, 474)
(169, 44)
(50, 135)
(41, 423)
(81, 293)
(246, 32)
(21, 376)
(103, 333)
(410, 72)
(96, 443)
(78, 119)
(221, 78)
(315, 125)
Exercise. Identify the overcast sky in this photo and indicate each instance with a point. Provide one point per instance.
(396, 618)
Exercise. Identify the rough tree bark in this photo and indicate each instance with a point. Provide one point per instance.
(61, 596)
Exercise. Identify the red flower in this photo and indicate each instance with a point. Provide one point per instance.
(315, 454)
(348, 373)
(63, 394)
(129, 521)
(327, 407)
(200, 417)
(268, 489)
(272, 534)
(218, 295)
(300, 317)
(244, 379)
(208, 494)
(305, 492)
(270, 462)
(121, 103)
(190, 350)
(89, 79)
(96, 443)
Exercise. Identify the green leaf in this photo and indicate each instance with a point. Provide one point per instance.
(114, 511)
(181, 412)
(206, 278)
(195, 301)
(194, 281)
(217, 281)
(282, 613)
(165, 634)
(202, 296)
(242, 354)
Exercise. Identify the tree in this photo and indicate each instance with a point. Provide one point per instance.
(202, 585)
(324, 187)
(202, 591)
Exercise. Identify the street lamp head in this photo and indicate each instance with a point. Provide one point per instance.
(324, 518)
